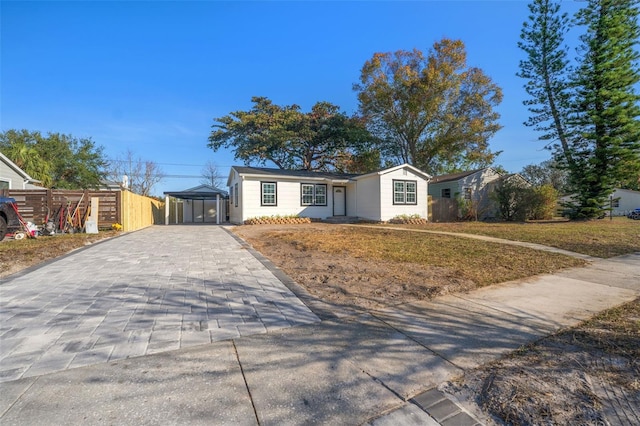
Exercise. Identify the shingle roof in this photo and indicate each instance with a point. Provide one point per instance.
(453, 176)
(293, 173)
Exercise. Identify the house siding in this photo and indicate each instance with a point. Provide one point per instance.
(368, 198)
(11, 179)
(629, 200)
(389, 210)
(480, 185)
(288, 200)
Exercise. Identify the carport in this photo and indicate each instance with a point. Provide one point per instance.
(201, 204)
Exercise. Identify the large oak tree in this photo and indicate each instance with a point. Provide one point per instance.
(430, 110)
(288, 138)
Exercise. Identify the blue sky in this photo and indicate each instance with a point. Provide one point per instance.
(150, 76)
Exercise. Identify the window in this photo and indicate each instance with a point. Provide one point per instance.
(4, 184)
(269, 195)
(445, 193)
(467, 193)
(615, 203)
(313, 195)
(231, 193)
(405, 192)
(236, 194)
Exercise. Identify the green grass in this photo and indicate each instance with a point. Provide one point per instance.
(599, 238)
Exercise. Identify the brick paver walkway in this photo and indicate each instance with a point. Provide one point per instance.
(155, 290)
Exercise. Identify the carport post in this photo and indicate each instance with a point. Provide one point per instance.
(166, 209)
(217, 209)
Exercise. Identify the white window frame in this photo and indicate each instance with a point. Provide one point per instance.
(402, 194)
(314, 197)
(264, 194)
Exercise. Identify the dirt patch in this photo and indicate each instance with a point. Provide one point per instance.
(347, 280)
(16, 255)
(588, 375)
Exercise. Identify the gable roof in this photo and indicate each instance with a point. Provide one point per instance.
(17, 169)
(417, 171)
(454, 176)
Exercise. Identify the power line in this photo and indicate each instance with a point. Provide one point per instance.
(170, 164)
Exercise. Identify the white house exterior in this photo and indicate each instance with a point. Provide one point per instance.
(623, 201)
(377, 196)
(13, 177)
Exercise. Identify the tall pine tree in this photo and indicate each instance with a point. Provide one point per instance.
(590, 116)
(606, 140)
(546, 68)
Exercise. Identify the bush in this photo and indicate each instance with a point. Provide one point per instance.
(542, 205)
(518, 202)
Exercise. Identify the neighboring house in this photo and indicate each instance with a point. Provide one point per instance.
(624, 201)
(474, 186)
(621, 201)
(13, 177)
(201, 204)
(377, 196)
(470, 185)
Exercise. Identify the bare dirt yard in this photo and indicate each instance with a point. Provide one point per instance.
(371, 268)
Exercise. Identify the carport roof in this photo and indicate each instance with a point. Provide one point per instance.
(202, 192)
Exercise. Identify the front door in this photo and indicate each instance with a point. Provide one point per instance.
(339, 201)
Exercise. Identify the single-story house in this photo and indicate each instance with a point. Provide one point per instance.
(620, 201)
(201, 204)
(13, 177)
(378, 196)
(475, 186)
(624, 201)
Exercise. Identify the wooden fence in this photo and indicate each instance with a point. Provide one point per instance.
(139, 212)
(443, 209)
(36, 205)
(130, 210)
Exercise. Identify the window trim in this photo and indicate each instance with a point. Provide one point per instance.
(467, 192)
(314, 194)
(275, 194)
(404, 192)
(236, 194)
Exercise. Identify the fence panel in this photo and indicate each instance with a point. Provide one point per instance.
(36, 205)
(139, 211)
(443, 209)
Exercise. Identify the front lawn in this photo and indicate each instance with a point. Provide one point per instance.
(600, 238)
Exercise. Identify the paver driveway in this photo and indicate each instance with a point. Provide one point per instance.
(155, 290)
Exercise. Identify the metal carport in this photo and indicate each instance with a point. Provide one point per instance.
(197, 199)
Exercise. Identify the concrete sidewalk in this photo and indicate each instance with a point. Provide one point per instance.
(379, 368)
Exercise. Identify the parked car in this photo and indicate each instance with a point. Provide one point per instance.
(8, 217)
(634, 214)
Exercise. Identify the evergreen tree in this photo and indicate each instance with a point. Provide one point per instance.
(590, 115)
(546, 69)
(606, 141)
